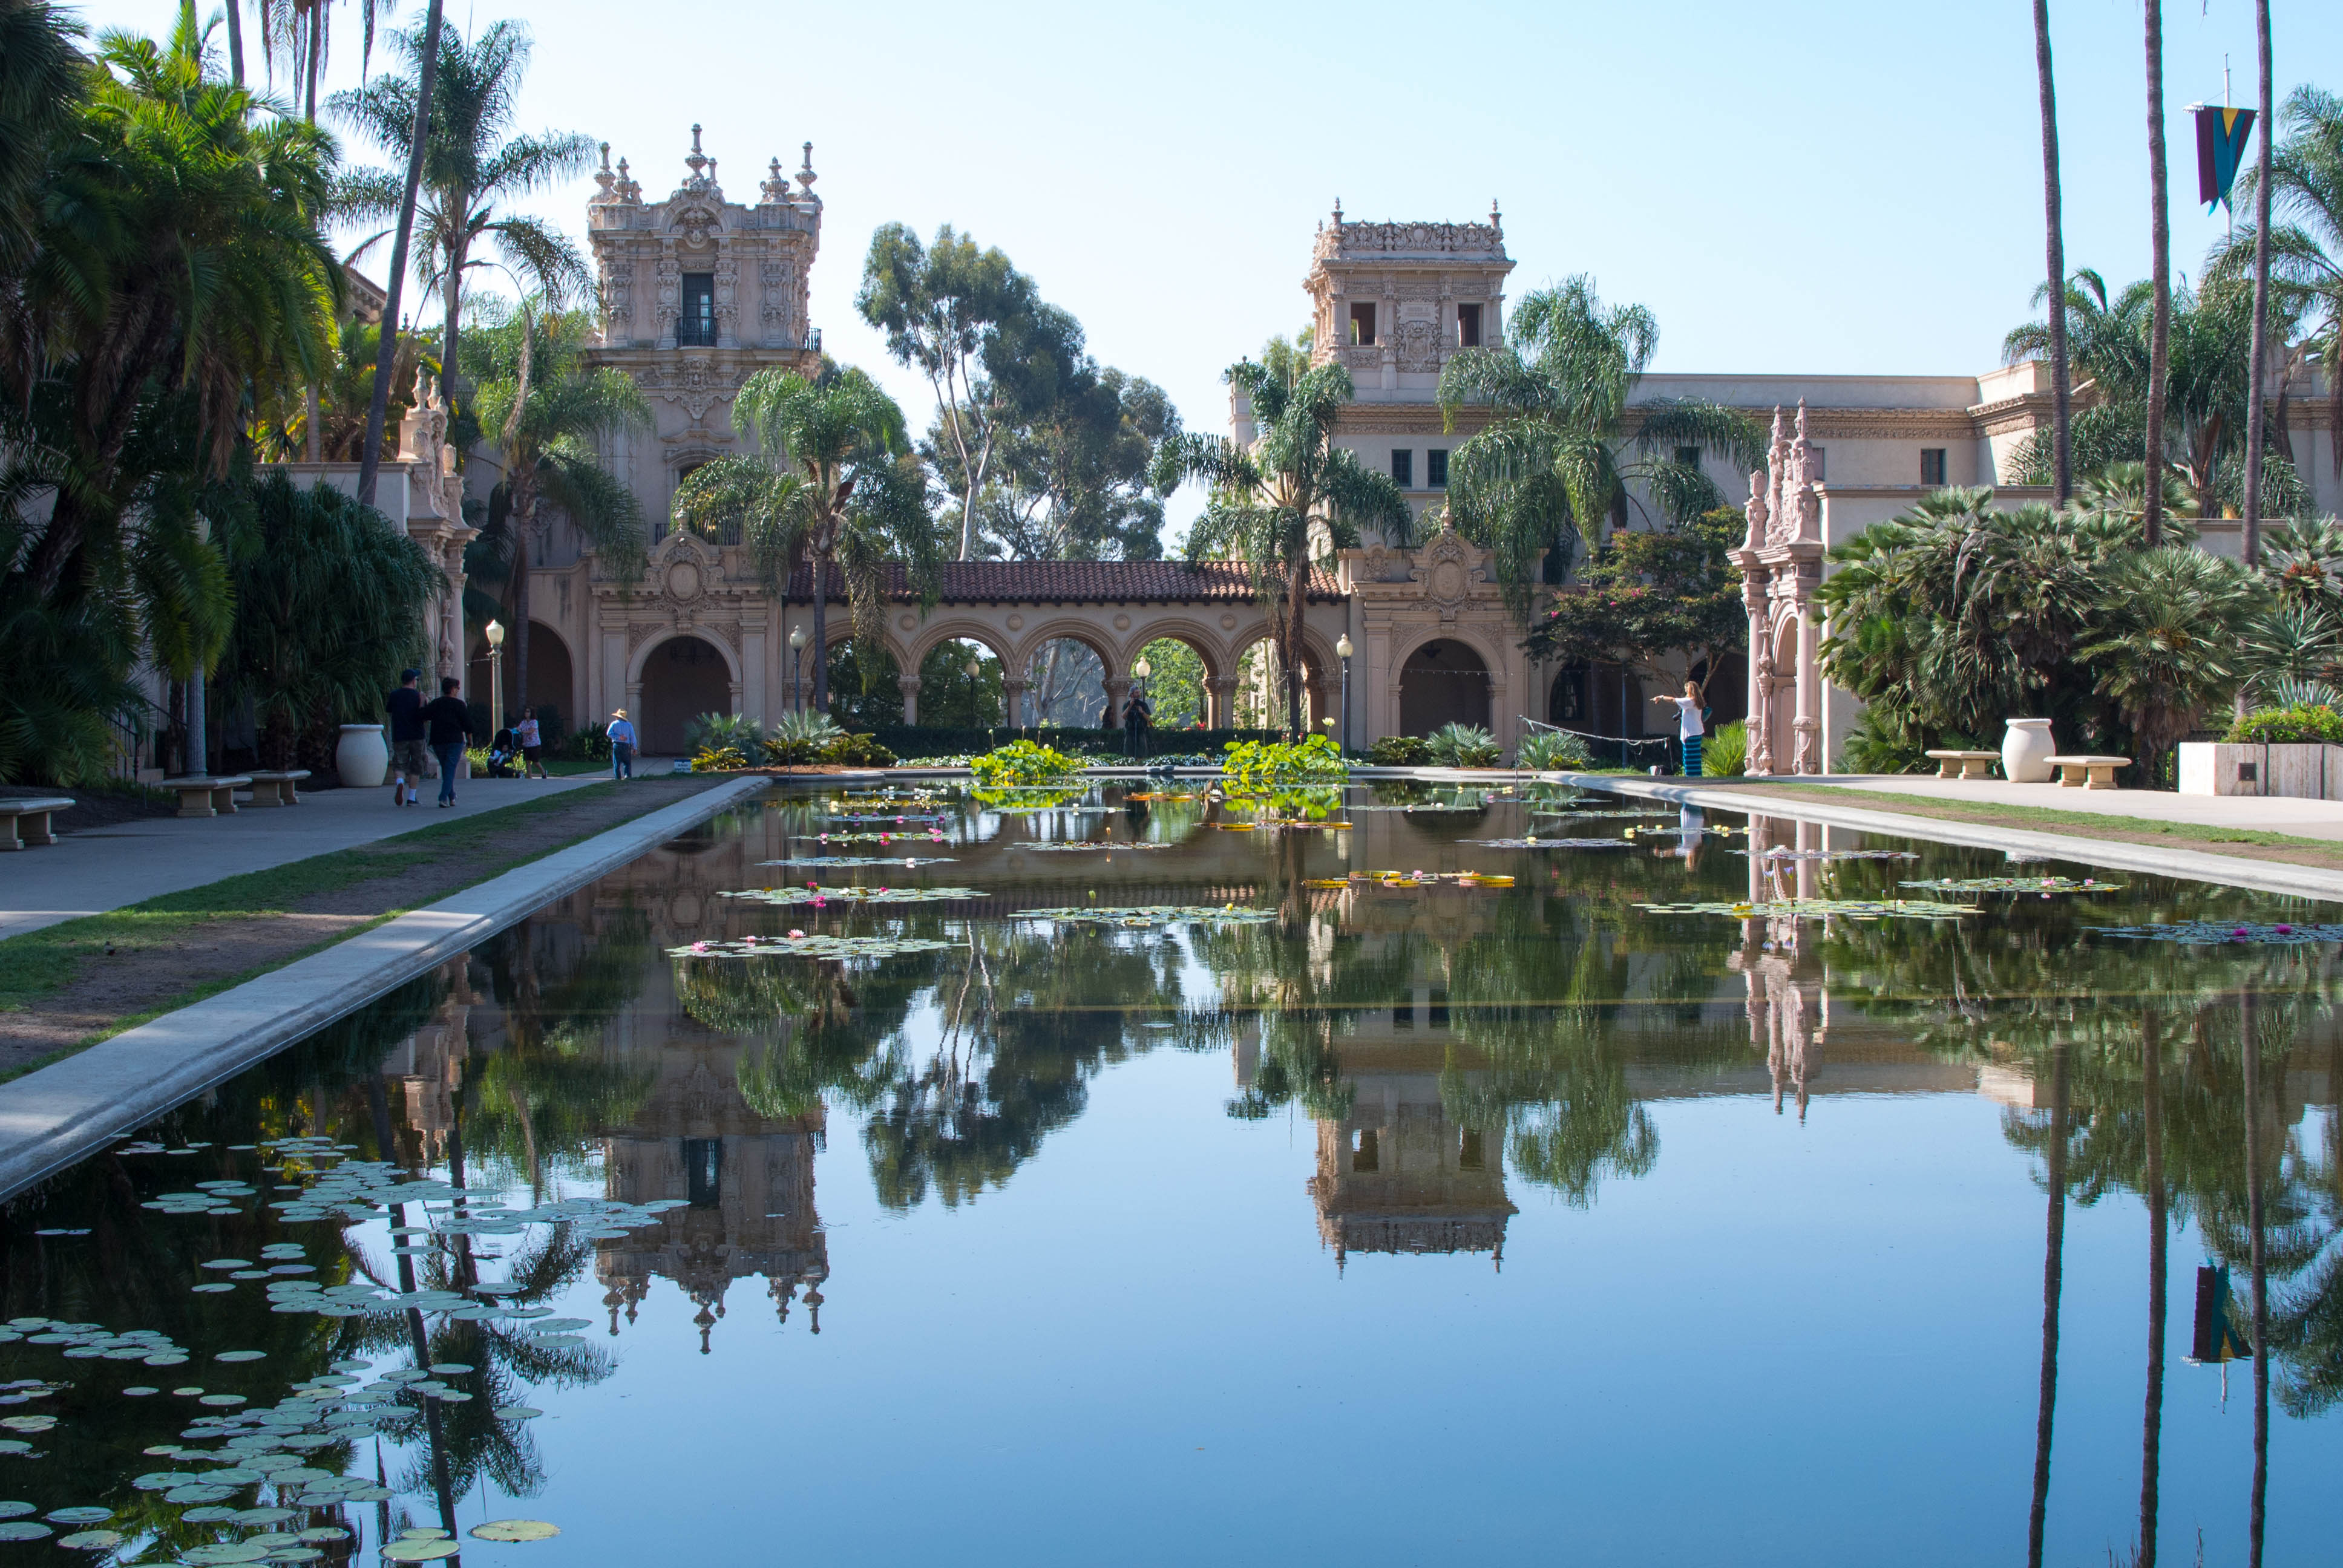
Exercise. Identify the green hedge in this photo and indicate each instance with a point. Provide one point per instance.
(2289, 725)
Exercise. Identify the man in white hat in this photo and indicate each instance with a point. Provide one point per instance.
(622, 746)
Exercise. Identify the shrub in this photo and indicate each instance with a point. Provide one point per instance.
(1023, 763)
(588, 745)
(800, 739)
(1464, 745)
(723, 732)
(720, 759)
(1548, 751)
(1728, 751)
(858, 751)
(1254, 767)
(1399, 751)
(2286, 726)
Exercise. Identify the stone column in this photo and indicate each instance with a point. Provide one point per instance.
(1808, 724)
(1118, 692)
(1012, 700)
(909, 685)
(1219, 701)
(1387, 334)
(753, 661)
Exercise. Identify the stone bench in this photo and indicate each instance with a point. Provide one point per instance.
(277, 788)
(1964, 764)
(24, 824)
(201, 795)
(2088, 772)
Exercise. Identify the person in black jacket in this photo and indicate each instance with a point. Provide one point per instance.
(449, 724)
(406, 706)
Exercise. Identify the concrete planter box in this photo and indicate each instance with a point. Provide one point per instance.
(2308, 771)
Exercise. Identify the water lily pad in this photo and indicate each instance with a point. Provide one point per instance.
(24, 1529)
(424, 1532)
(209, 1516)
(227, 1264)
(1147, 917)
(199, 1494)
(296, 1554)
(15, 1445)
(369, 1494)
(92, 1540)
(814, 946)
(211, 1290)
(264, 1515)
(139, 1391)
(15, 1510)
(241, 1356)
(225, 1552)
(78, 1515)
(450, 1369)
(220, 1399)
(515, 1530)
(515, 1413)
(322, 1535)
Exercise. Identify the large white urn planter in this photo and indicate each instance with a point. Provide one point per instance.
(363, 757)
(2026, 750)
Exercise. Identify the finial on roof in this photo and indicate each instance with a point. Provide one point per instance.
(1496, 218)
(698, 160)
(1338, 212)
(806, 177)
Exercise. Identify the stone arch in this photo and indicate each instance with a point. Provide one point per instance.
(1465, 700)
(661, 732)
(1086, 634)
(1323, 671)
(923, 641)
(1206, 646)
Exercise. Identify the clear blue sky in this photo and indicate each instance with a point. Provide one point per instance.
(1807, 186)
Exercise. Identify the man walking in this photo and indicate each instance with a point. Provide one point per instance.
(406, 706)
(622, 747)
(532, 747)
(449, 724)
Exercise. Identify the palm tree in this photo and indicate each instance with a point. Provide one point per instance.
(2062, 464)
(2167, 646)
(2257, 358)
(472, 171)
(1288, 501)
(43, 78)
(1566, 441)
(2302, 194)
(831, 485)
(2159, 237)
(546, 413)
(393, 286)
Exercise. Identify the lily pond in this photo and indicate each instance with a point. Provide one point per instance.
(1114, 1175)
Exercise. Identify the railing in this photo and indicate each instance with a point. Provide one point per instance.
(691, 333)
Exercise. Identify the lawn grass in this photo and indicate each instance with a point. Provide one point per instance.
(1993, 813)
(38, 963)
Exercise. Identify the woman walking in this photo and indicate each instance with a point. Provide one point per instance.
(1689, 729)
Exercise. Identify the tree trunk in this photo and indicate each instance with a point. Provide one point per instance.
(2151, 1434)
(316, 62)
(1297, 595)
(2160, 233)
(379, 403)
(2250, 531)
(452, 294)
(2258, 1262)
(821, 630)
(519, 579)
(235, 43)
(2053, 1251)
(2062, 450)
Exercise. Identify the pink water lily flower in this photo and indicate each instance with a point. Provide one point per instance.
(794, 935)
(700, 946)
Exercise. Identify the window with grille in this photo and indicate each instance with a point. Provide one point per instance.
(1932, 465)
(695, 326)
(1435, 467)
(1404, 468)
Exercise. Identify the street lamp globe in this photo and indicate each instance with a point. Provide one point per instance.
(1343, 647)
(975, 667)
(1142, 670)
(495, 633)
(797, 640)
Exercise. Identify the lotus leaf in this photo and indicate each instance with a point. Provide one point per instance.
(1820, 909)
(515, 1530)
(815, 945)
(855, 895)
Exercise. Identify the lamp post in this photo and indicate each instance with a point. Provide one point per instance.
(974, 669)
(1142, 670)
(495, 677)
(797, 666)
(1343, 651)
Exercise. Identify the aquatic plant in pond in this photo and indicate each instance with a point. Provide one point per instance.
(811, 945)
(2223, 933)
(1532, 842)
(1820, 909)
(1151, 915)
(910, 862)
(818, 896)
(2043, 885)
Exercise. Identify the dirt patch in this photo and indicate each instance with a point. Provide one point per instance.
(133, 963)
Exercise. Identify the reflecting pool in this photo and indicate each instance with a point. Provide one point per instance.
(1432, 1177)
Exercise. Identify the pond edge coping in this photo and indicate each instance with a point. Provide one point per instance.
(58, 1115)
(2193, 865)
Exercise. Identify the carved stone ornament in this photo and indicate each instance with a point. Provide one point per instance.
(640, 632)
(1445, 569)
(682, 568)
(1419, 345)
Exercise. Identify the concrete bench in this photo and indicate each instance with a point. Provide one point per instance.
(24, 824)
(277, 788)
(201, 795)
(2088, 772)
(1964, 764)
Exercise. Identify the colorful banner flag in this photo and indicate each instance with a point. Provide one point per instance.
(2221, 136)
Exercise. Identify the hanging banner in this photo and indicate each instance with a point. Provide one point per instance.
(2221, 136)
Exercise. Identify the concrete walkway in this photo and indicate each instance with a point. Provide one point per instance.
(89, 873)
(2303, 818)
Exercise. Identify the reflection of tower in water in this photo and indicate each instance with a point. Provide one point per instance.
(1791, 1024)
(747, 1183)
(1404, 1178)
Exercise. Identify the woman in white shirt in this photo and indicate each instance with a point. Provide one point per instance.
(1689, 729)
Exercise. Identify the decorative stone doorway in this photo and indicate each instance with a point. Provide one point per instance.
(684, 677)
(1443, 682)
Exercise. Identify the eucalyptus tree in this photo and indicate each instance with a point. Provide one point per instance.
(830, 486)
(1566, 445)
(547, 415)
(1286, 502)
(474, 171)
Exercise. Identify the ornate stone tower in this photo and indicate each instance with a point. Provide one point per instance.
(697, 294)
(1394, 300)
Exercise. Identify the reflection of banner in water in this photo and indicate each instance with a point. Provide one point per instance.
(2216, 1338)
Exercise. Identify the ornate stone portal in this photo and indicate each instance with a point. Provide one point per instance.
(1781, 564)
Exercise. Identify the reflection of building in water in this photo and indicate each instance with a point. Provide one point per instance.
(428, 1067)
(746, 1183)
(1396, 1175)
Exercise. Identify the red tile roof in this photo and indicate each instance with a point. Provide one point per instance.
(1079, 582)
